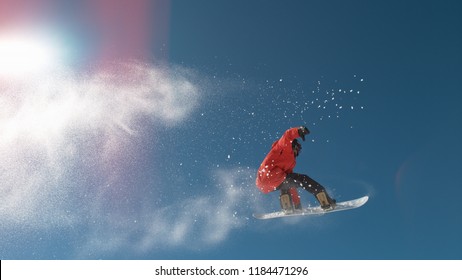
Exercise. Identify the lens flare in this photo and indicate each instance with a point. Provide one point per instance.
(25, 53)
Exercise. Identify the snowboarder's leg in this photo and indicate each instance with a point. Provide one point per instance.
(310, 185)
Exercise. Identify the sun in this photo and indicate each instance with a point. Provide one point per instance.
(27, 53)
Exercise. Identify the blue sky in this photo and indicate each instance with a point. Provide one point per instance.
(149, 150)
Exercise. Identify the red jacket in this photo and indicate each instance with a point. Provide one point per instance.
(279, 162)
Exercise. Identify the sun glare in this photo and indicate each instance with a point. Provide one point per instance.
(23, 54)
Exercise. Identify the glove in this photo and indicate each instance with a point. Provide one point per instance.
(302, 131)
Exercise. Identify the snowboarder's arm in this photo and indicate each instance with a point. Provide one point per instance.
(291, 134)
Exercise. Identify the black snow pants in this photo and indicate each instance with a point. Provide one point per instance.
(300, 181)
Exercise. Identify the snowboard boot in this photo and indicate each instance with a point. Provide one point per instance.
(327, 203)
(286, 203)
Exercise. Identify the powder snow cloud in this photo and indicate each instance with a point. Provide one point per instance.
(197, 222)
(69, 143)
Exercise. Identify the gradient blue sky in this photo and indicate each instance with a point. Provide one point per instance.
(157, 159)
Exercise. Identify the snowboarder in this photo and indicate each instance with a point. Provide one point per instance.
(276, 173)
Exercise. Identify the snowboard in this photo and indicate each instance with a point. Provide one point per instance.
(315, 210)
